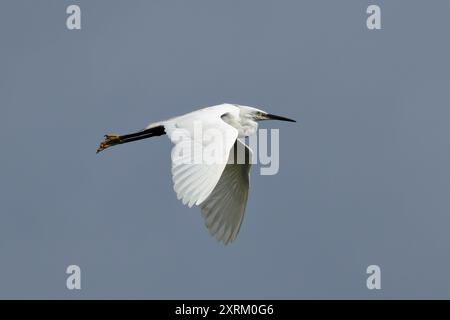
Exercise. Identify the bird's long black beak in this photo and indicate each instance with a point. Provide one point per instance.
(269, 116)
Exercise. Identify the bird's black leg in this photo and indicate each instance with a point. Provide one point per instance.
(113, 139)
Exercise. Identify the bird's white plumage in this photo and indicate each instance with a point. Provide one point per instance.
(224, 209)
(194, 182)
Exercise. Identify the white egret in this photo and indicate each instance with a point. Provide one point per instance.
(220, 188)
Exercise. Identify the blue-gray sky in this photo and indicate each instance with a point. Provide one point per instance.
(364, 174)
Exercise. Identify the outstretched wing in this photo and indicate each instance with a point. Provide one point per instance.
(224, 209)
(202, 146)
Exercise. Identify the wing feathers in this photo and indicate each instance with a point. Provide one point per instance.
(219, 188)
(224, 209)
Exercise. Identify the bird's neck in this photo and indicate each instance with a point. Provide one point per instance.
(245, 125)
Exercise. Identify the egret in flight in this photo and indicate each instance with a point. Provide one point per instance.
(219, 187)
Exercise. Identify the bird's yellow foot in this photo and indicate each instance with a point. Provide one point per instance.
(110, 140)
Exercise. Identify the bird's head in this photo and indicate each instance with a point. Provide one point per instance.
(258, 115)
